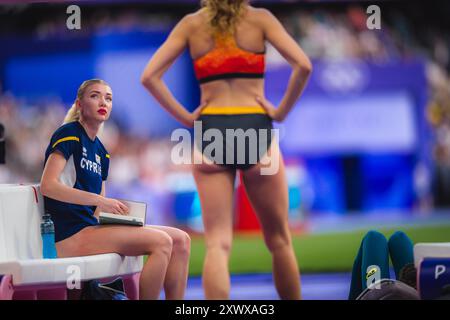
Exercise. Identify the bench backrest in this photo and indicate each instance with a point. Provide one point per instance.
(21, 209)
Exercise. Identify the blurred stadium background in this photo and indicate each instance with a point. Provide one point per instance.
(367, 146)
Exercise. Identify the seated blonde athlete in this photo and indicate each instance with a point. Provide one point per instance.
(73, 186)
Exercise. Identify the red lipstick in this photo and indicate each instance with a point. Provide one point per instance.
(102, 111)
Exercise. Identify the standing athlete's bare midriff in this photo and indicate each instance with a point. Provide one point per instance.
(232, 92)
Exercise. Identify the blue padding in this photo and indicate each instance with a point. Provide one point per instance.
(387, 181)
(182, 206)
(327, 179)
(434, 276)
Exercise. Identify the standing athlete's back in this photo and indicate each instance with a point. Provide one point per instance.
(247, 43)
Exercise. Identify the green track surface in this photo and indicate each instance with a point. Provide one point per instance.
(329, 252)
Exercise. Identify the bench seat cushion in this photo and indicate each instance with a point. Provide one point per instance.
(53, 271)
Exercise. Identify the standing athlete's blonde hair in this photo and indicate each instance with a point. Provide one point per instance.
(74, 113)
(224, 14)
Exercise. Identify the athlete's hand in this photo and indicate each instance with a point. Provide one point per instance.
(112, 206)
(272, 112)
(195, 114)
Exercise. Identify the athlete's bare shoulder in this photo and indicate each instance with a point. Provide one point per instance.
(258, 16)
(195, 19)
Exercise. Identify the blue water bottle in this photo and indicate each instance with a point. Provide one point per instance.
(48, 237)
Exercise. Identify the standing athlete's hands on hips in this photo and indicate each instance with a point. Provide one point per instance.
(112, 206)
(272, 112)
(195, 114)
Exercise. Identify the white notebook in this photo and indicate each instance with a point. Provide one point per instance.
(136, 216)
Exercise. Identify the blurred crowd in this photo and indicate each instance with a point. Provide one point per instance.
(338, 35)
(330, 32)
(438, 115)
(322, 34)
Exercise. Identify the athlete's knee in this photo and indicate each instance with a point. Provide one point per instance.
(278, 239)
(163, 245)
(374, 235)
(398, 236)
(374, 240)
(400, 241)
(181, 243)
(222, 244)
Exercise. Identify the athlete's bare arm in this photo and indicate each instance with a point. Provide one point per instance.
(164, 57)
(51, 187)
(102, 193)
(280, 39)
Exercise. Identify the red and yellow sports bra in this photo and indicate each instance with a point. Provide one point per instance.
(228, 61)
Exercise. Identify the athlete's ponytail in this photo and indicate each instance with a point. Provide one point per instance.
(74, 113)
(224, 14)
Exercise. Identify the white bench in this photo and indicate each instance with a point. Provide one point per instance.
(430, 250)
(26, 275)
